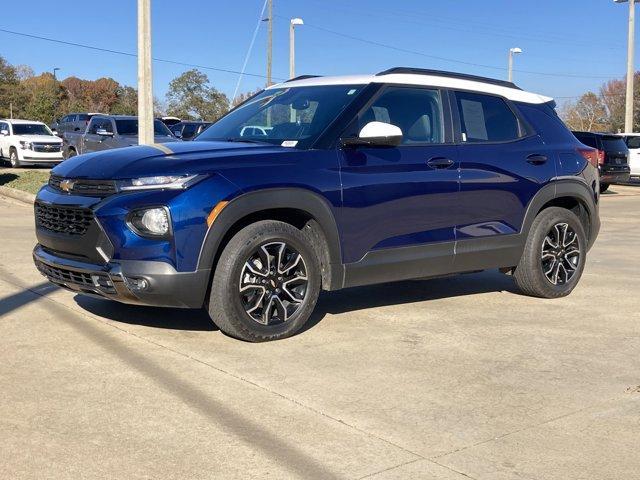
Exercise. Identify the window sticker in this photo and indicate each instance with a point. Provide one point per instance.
(289, 143)
(474, 120)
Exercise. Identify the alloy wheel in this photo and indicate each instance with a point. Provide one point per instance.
(560, 254)
(273, 283)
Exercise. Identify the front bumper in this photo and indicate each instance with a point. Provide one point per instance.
(120, 281)
(29, 156)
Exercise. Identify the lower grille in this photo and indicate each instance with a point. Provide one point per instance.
(61, 219)
(83, 280)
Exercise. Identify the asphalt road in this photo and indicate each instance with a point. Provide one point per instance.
(452, 378)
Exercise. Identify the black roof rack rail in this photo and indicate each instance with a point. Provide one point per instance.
(301, 77)
(443, 73)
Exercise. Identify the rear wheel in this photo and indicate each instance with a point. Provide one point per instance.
(13, 158)
(554, 255)
(604, 187)
(266, 282)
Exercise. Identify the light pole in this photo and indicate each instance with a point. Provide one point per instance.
(54, 72)
(145, 92)
(628, 114)
(292, 45)
(512, 52)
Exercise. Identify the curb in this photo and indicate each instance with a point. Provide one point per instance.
(24, 197)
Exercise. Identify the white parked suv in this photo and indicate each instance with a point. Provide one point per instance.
(28, 142)
(633, 144)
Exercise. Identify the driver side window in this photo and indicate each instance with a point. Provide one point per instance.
(416, 111)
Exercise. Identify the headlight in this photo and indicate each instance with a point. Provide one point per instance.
(25, 145)
(150, 222)
(174, 182)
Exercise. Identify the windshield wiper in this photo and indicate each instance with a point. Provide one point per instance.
(244, 140)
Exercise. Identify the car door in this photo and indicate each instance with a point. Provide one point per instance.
(4, 145)
(503, 164)
(92, 141)
(397, 201)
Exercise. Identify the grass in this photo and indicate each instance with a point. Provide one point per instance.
(25, 180)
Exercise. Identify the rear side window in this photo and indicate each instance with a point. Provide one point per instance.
(589, 140)
(485, 118)
(82, 117)
(416, 111)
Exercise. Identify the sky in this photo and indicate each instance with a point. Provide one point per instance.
(570, 46)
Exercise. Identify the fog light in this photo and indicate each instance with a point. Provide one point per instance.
(151, 222)
(137, 284)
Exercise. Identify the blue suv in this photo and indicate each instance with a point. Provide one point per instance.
(327, 183)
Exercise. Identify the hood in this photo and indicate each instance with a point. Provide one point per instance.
(176, 158)
(38, 138)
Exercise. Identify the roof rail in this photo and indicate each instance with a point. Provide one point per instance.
(442, 73)
(301, 77)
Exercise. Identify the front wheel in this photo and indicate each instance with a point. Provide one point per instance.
(13, 158)
(554, 255)
(266, 283)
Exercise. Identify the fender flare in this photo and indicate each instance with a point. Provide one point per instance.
(276, 198)
(574, 187)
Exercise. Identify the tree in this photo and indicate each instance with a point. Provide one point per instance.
(191, 97)
(11, 94)
(243, 97)
(45, 95)
(589, 113)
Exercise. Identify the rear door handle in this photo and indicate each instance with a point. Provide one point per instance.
(537, 159)
(440, 162)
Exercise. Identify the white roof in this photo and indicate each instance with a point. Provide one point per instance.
(15, 121)
(426, 80)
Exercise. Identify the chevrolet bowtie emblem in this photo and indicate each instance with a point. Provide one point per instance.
(66, 185)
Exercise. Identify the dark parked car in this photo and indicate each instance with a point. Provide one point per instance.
(613, 157)
(105, 132)
(188, 130)
(73, 122)
(352, 181)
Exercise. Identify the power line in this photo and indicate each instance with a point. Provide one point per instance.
(445, 59)
(129, 54)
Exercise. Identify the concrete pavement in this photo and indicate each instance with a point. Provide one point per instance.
(451, 378)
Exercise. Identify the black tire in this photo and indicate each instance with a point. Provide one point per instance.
(14, 161)
(530, 274)
(604, 187)
(228, 306)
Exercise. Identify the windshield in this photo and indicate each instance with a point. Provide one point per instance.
(633, 142)
(31, 129)
(295, 115)
(130, 127)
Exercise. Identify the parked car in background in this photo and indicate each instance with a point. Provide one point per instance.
(73, 122)
(362, 179)
(632, 140)
(26, 142)
(613, 156)
(168, 121)
(105, 132)
(188, 130)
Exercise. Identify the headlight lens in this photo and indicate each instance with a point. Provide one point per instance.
(25, 145)
(151, 222)
(174, 182)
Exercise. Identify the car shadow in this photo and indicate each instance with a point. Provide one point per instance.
(7, 178)
(342, 301)
(411, 291)
(156, 317)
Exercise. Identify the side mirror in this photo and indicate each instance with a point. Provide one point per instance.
(376, 134)
(54, 131)
(4, 133)
(103, 133)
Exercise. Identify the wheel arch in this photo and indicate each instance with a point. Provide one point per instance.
(572, 194)
(302, 208)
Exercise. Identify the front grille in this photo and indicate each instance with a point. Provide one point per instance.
(81, 279)
(89, 188)
(61, 219)
(47, 147)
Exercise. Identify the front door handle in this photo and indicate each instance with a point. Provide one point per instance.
(537, 159)
(440, 162)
